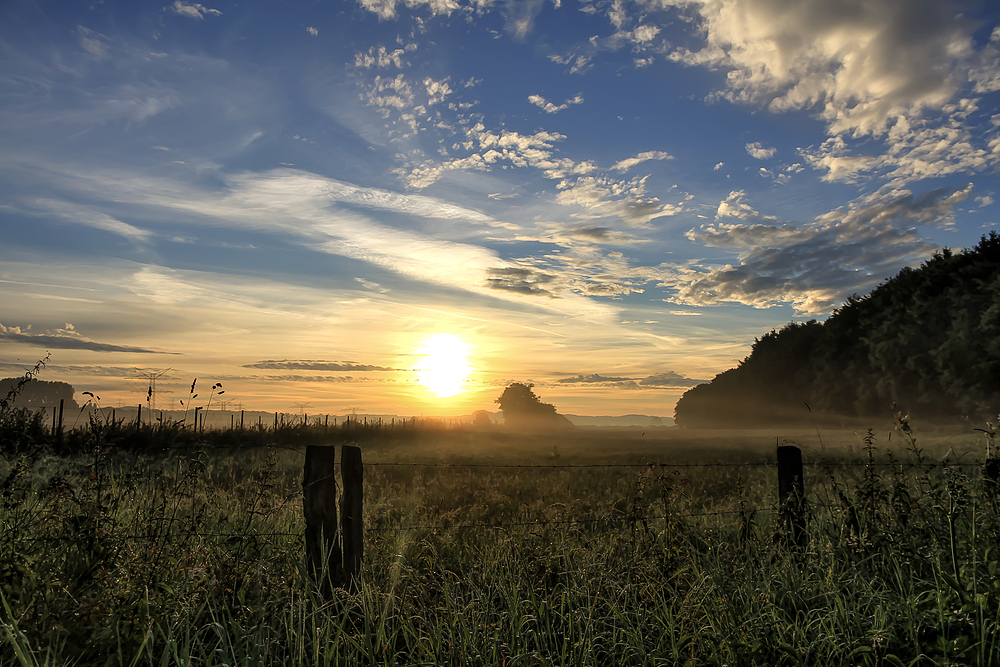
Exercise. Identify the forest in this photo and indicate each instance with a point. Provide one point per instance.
(925, 342)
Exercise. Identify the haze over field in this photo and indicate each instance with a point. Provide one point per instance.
(401, 207)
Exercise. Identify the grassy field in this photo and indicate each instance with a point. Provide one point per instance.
(158, 546)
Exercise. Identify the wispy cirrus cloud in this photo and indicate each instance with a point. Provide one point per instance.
(317, 365)
(666, 379)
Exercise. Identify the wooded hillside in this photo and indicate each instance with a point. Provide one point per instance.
(927, 340)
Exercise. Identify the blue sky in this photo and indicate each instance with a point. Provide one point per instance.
(608, 199)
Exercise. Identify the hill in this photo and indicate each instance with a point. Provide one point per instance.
(926, 341)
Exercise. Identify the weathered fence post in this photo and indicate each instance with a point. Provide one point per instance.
(352, 473)
(791, 493)
(319, 501)
(59, 429)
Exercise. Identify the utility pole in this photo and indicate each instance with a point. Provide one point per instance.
(151, 375)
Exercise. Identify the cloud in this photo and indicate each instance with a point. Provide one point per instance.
(549, 107)
(757, 150)
(520, 281)
(667, 379)
(815, 266)
(67, 338)
(916, 151)
(298, 208)
(861, 65)
(193, 10)
(312, 31)
(386, 9)
(733, 206)
(87, 216)
(380, 57)
(628, 163)
(314, 365)
(593, 379)
(718, 166)
(323, 379)
(577, 62)
(372, 285)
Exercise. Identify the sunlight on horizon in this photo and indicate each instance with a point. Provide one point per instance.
(444, 365)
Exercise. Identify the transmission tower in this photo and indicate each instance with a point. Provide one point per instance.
(151, 375)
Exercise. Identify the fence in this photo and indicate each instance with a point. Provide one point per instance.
(334, 567)
(334, 540)
(202, 418)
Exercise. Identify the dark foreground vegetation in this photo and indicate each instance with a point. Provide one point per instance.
(153, 545)
(927, 340)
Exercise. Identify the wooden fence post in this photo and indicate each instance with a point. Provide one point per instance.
(352, 473)
(791, 493)
(319, 501)
(59, 429)
(138, 416)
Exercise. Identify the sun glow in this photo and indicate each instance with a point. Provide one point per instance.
(444, 365)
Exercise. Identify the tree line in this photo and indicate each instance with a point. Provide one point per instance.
(926, 341)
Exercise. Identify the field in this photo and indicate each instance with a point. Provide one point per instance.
(154, 545)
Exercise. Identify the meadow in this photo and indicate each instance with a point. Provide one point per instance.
(150, 544)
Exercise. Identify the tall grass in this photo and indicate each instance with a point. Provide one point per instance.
(147, 545)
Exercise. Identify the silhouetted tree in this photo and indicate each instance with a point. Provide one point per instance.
(523, 409)
(927, 340)
(39, 393)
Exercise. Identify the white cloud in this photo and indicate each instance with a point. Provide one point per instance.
(916, 151)
(437, 91)
(381, 57)
(733, 206)
(193, 10)
(718, 166)
(549, 107)
(757, 150)
(386, 9)
(645, 33)
(312, 31)
(628, 163)
(862, 65)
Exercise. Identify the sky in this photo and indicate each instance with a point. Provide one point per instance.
(401, 206)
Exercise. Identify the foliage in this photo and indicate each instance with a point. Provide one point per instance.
(927, 340)
(38, 393)
(195, 557)
(523, 409)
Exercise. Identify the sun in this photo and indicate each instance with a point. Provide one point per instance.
(443, 366)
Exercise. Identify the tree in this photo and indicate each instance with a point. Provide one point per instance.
(38, 393)
(521, 408)
(926, 341)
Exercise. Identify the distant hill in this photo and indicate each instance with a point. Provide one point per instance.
(927, 340)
